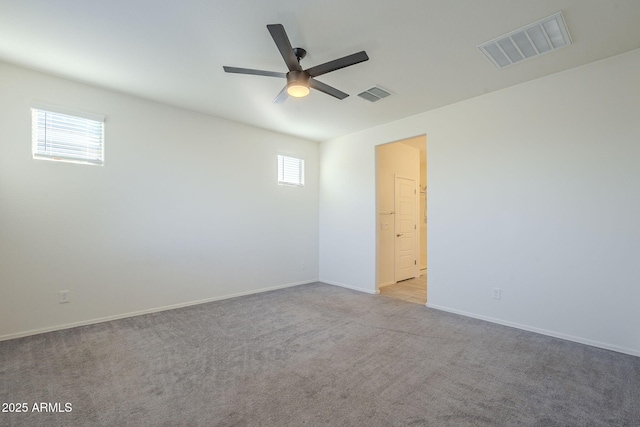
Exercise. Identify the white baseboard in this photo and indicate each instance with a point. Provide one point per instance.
(355, 288)
(540, 331)
(148, 311)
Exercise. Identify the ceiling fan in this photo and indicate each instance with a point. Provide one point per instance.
(298, 80)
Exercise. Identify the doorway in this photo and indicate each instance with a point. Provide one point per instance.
(401, 249)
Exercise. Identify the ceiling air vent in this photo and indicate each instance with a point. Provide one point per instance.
(543, 36)
(374, 94)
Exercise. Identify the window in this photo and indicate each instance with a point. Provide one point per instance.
(77, 138)
(290, 171)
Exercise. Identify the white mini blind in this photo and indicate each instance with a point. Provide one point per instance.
(58, 136)
(290, 171)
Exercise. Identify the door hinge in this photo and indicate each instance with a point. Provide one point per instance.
(414, 262)
(414, 227)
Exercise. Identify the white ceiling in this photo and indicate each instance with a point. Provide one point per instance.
(422, 51)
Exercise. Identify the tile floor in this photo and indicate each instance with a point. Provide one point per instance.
(412, 290)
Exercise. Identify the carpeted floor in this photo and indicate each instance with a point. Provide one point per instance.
(314, 355)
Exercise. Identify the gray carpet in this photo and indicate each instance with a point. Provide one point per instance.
(314, 355)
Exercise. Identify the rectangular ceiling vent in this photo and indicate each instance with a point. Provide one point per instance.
(543, 36)
(374, 94)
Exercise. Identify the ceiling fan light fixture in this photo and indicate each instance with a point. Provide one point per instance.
(297, 90)
(297, 84)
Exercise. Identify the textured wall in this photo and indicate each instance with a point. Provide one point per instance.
(185, 208)
(534, 189)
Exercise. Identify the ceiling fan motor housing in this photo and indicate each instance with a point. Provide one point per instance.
(298, 77)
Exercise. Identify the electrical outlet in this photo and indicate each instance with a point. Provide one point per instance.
(303, 265)
(496, 293)
(63, 296)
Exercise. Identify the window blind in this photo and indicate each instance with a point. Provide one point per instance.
(290, 171)
(58, 136)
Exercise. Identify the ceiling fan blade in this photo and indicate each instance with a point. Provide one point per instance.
(282, 96)
(329, 90)
(254, 72)
(284, 46)
(336, 64)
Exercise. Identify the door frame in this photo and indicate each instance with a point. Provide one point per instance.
(383, 212)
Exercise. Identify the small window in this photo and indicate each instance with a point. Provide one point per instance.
(290, 171)
(69, 138)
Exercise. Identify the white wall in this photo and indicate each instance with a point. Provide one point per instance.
(534, 189)
(347, 214)
(396, 159)
(186, 208)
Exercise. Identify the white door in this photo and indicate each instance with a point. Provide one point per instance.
(405, 229)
